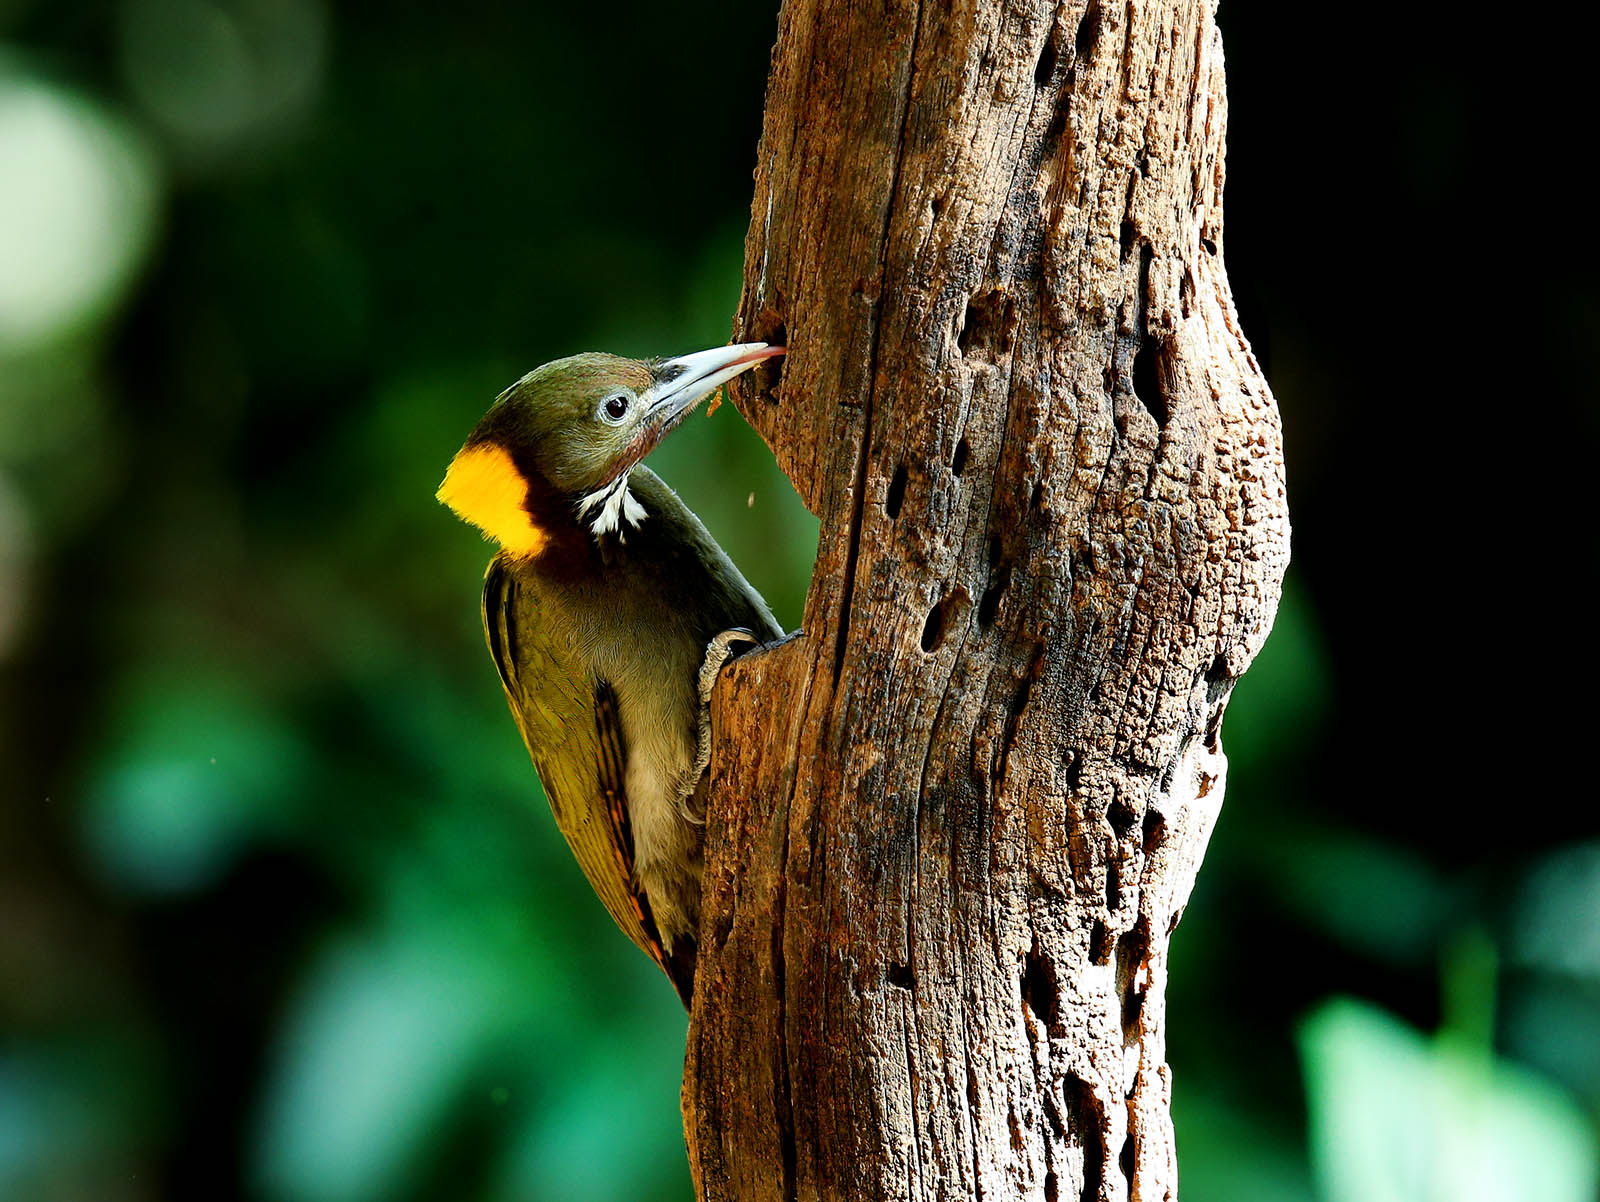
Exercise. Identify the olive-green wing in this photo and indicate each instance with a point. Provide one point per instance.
(569, 721)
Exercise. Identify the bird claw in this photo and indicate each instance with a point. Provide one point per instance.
(726, 646)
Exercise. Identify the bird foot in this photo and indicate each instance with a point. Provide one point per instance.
(727, 645)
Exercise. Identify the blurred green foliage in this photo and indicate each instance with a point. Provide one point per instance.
(1395, 1118)
(282, 914)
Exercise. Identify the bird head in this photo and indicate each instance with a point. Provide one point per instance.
(559, 443)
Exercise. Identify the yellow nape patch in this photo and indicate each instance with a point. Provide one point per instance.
(485, 488)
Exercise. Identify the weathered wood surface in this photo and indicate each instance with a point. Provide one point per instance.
(955, 822)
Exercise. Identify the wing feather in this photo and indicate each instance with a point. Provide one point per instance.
(569, 720)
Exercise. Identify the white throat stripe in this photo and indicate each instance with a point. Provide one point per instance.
(617, 505)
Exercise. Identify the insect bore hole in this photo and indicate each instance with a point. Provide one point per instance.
(897, 493)
(1045, 68)
(933, 629)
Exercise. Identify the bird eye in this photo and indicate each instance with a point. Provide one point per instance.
(615, 407)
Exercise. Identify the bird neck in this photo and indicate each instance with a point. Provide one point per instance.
(600, 530)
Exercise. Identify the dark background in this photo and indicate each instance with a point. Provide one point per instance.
(282, 914)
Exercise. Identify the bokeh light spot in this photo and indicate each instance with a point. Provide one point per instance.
(77, 211)
(209, 73)
(196, 773)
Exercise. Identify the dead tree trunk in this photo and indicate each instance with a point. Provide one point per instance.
(956, 821)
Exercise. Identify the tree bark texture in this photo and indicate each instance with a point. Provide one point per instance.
(955, 821)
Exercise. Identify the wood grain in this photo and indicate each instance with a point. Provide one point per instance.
(955, 821)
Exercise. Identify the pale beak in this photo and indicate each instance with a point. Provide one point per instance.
(684, 382)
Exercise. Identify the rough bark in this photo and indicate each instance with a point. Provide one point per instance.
(956, 820)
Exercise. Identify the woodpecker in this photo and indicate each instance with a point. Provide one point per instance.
(608, 610)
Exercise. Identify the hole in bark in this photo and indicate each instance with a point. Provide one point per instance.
(897, 493)
(1052, 1190)
(1019, 704)
(1063, 113)
(933, 629)
(1099, 943)
(901, 976)
(1211, 247)
(958, 464)
(1047, 62)
(1214, 728)
(1122, 817)
(1127, 1157)
(1040, 990)
(1088, 1119)
(1132, 1011)
(1088, 30)
(1113, 883)
(1155, 829)
(1147, 380)
(988, 324)
(989, 603)
(1217, 679)
(1072, 770)
(768, 327)
(770, 373)
(721, 929)
(1133, 949)
(1125, 241)
(1036, 498)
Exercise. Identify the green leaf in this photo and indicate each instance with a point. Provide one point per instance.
(195, 770)
(1397, 1118)
(380, 1041)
